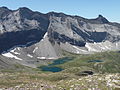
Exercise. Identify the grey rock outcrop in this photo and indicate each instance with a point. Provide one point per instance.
(27, 35)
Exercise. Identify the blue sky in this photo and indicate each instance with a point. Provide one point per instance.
(85, 8)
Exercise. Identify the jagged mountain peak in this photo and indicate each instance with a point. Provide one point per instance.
(25, 12)
(4, 11)
(100, 16)
(43, 36)
(102, 19)
(99, 20)
(25, 9)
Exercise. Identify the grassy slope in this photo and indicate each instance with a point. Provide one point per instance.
(35, 79)
(110, 64)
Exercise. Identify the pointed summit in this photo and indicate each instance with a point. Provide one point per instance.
(102, 19)
(100, 16)
(4, 11)
(25, 12)
(24, 8)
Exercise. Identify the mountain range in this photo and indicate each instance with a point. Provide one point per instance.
(27, 36)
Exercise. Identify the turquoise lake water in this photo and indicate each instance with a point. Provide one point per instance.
(95, 61)
(52, 68)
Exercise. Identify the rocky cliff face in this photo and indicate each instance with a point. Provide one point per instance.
(27, 35)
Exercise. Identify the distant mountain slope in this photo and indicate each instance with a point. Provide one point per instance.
(27, 35)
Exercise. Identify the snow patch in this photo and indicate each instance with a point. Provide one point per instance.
(46, 58)
(11, 56)
(88, 46)
(51, 58)
(18, 48)
(41, 57)
(13, 51)
(107, 47)
(35, 49)
(16, 53)
(102, 46)
(29, 55)
(78, 50)
(45, 35)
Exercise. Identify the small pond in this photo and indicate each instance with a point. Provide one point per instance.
(52, 68)
(60, 61)
(95, 61)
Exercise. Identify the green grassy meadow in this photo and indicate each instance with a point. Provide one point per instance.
(106, 74)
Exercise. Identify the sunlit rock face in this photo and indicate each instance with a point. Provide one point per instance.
(35, 36)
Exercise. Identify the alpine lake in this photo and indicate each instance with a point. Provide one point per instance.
(52, 68)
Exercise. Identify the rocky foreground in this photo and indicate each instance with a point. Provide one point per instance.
(36, 82)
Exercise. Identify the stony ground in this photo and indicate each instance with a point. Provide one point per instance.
(31, 82)
(95, 82)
